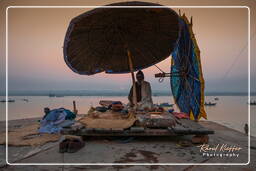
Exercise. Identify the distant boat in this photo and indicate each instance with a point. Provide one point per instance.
(26, 100)
(252, 103)
(10, 100)
(52, 95)
(216, 98)
(210, 104)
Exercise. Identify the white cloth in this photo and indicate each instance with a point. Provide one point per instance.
(146, 96)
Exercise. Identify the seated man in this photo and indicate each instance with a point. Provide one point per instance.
(143, 91)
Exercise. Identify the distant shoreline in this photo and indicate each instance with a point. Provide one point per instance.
(60, 93)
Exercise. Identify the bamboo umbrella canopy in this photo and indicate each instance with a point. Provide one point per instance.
(120, 40)
(110, 39)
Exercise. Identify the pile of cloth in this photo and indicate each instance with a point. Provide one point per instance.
(181, 115)
(110, 115)
(55, 120)
(116, 106)
(150, 120)
(116, 115)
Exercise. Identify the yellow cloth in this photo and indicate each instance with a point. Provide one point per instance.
(27, 136)
(108, 120)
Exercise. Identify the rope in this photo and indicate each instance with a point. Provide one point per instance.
(159, 68)
(237, 57)
(161, 79)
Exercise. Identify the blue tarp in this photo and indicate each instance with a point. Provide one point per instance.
(55, 120)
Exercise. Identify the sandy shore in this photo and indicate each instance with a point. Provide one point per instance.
(138, 150)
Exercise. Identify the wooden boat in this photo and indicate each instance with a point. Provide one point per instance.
(25, 100)
(10, 100)
(252, 103)
(52, 95)
(210, 104)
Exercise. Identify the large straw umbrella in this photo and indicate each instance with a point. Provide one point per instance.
(120, 40)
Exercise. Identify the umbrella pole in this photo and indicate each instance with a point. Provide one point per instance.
(134, 93)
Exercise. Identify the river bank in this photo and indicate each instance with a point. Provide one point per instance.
(139, 150)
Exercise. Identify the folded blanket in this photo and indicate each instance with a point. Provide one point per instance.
(28, 136)
(108, 121)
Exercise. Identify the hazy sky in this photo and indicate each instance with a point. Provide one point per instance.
(36, 56)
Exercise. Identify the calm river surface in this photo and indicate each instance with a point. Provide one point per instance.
(231, 111)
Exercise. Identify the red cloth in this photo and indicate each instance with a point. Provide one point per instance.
(181, 115)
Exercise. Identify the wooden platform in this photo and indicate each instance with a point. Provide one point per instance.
(184, 127)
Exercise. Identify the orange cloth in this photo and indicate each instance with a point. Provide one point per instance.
(181, 115)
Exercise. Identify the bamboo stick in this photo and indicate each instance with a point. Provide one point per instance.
(74, 107)
(134, 97)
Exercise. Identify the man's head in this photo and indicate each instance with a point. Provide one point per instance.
(46, 110)
(140, 76)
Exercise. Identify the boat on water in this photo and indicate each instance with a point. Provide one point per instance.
(10, 100)
(252, 103)
(51, 95)
(210, 104)
(216, 98)
(54, 95)
(25, 100)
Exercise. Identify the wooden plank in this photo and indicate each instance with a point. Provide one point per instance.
(110, 132)
(187, 126)
(184, 127)
(190, 124)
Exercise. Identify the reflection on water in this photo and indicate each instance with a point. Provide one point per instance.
(231, 111)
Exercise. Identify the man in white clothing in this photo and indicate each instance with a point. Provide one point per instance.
(143, 91)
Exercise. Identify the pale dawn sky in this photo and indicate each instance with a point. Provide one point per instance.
(36, 56)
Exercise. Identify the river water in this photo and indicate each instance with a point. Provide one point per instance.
(231, 111)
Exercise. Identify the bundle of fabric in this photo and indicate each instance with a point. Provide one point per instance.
(108, 120)
(117, 106)
(55, 120)
(109, 104)
(163, 120)
(181, 115)
(106, 103)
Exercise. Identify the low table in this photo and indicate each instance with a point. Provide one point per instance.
(183, 127)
